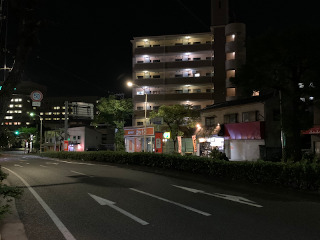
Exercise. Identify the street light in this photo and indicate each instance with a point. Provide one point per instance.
(130, 84)
(33, 114)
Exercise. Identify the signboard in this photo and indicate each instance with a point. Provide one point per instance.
(179, 144)
(166, 135)
(36, 104)
(158, 142)
(194, 141)
(138, 131)
(65, 145)
(314, 130)
(36, 96)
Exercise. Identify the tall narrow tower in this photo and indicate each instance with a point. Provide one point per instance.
(219, 19)
(229, 50)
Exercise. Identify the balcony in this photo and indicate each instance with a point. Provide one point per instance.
(173, 49)
(174, 97)
(203, 80)
(178, 65)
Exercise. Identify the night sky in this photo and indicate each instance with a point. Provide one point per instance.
(84, 47)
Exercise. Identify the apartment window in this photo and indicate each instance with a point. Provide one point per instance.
(197, 90)
(210, 90)
(156, 108)
(139, 123)
(210, 121)
(249, 116)
(230, 38)
(196, 59)
(156, 76)
(156, 60)
(231, 118)
(139, 108)
(196, 107)
(178, 91)
(231, 56)
(231, 92)
(79, 137)
(231, 73)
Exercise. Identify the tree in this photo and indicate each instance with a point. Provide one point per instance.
(175, 117)
(285, 62)
(114, 112)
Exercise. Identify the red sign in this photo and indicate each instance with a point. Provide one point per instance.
(65, 145)
(158, 142)
(36, 96)
(138, 131)
(314, 130)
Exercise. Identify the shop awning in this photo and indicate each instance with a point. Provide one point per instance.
(246, 130)
(314, 130)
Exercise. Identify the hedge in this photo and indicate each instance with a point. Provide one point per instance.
(299, 175)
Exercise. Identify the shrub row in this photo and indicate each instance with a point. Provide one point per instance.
(295, 175)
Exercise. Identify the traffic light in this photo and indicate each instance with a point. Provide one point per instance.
(17, 132)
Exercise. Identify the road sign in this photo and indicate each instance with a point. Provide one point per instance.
(36, 96)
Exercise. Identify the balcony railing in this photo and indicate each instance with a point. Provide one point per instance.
(174, 97)
(164, 65)
(203, 80)
(173, 49)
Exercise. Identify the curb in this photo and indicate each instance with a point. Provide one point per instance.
(11, 227)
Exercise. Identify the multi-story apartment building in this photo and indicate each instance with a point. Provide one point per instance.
(189, 69)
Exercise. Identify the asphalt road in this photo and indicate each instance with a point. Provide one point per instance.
(91, 201)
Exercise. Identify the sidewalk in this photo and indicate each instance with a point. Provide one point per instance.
(11, 228)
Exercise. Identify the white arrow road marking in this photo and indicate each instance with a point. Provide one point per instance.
(111, 204)
(17, 165)
(81, 173)
(172, 202)
(67, 235)
(223, 196)
(43, 166)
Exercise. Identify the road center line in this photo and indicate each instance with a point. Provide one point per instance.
(67, 235)
(172, 202)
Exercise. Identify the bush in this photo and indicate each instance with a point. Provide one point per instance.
(7, 194)
(300, 175)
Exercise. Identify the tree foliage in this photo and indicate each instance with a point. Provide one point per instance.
(285, 62)
(175, 117)
(114, 113)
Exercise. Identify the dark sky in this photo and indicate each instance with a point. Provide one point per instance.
(85, 48)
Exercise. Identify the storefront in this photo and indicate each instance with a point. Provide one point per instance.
(139, 139)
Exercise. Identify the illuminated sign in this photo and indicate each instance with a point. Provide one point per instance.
(166, 135)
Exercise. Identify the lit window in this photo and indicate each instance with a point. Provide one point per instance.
(255, 93)
(8, 117)
(231, 56)
(231, 92)
(231, 73)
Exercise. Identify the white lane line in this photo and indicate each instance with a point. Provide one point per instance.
(54, 163)
(172, 202)
(17, 165)
(43, 166)
(67, 235)
(238, 199)
(81, 173)
(111, 204)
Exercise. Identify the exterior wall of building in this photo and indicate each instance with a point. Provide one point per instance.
(258, 141)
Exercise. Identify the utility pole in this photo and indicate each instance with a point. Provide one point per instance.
(66, 120)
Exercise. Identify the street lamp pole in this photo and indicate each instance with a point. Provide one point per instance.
(130, 84)
(40, 134)
(145, 122)
(33, 114)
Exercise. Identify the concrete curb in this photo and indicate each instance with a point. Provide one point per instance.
(11, 227)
